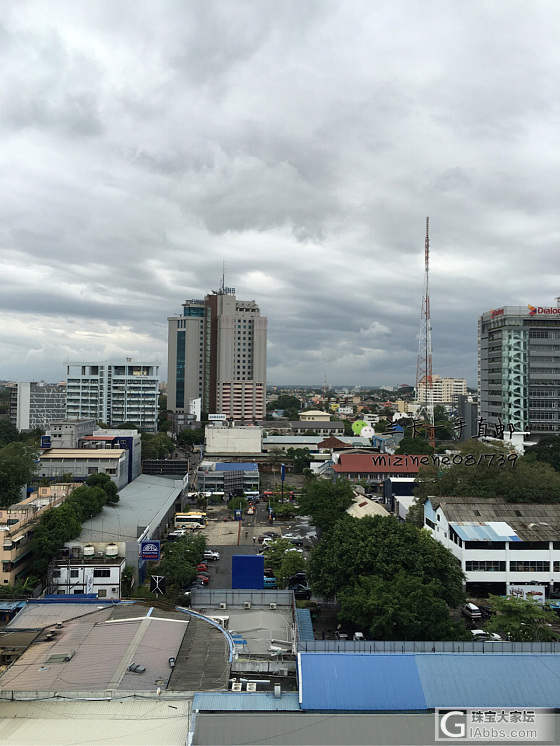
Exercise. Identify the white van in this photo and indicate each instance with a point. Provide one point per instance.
(472, 611)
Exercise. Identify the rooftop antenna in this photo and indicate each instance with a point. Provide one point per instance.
(222, 289)
(424, 364)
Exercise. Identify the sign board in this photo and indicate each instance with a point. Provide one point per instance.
(150, 550)
(238, 514)
(527, 591)
(282, 472)
(216, 417)
(158, 584)
(45, 441)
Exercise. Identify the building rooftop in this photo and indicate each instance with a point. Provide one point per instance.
(492, 519)
(366, 463)
(421, 681)
(142, 503)
(81, 453)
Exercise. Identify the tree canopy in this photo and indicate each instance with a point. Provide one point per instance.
(403, 607)
(382, 547)
(18, 464)
(325, 502)
(521, 620)
(546, 450)
(156, 446)
(284, 401)
(180, 559)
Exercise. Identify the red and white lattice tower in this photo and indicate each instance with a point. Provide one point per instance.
(424, 380)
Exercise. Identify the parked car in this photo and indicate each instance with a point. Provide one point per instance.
(358, 637)
(203, 573)
(472, 611)
(299, 577)
(209, 554)
(300, 591)
(481, 634)
(203, 579)
(270, 582)
(192, 586)
(340, 635)
(202, 566)
(296, 540)
(268, 534)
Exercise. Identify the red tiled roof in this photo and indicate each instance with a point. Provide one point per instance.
(376, 463)
(332, 442)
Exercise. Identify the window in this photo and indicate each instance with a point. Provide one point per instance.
(56, 573)
(101, 593)
(74, 573)
(485, 566)
(92, 470)
(529, 566)
(429, 523)
(102, 573)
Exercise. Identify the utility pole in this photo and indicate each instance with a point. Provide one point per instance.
(424, 364)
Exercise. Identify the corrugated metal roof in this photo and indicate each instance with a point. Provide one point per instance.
(350, 681)
(304, 625)
(490, 680)
(245, 701)
(482, 532)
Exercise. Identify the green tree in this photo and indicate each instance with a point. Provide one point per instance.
(382, 547)
(55, 528)
(300, 458)
(521, 620)
(190, 438)
(414, 446)
(404, 607)
(18, 464)
(348, 432)
(290, 563)
(237, 503)
(180, 559)
(489, 471)
(107, 485)
(284, 401)
(274, 554)
(8, 433)
(156, 446)
(546, 450)
(325, 502)
(381, 426)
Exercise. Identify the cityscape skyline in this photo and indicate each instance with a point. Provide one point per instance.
(302, 146)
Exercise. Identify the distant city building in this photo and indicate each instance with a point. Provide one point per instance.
(36, 404)
(444, 390)
(519, 369)
(114, 393)
(217, 353)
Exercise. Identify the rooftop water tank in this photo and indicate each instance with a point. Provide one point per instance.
(89, 550)
(111, 550)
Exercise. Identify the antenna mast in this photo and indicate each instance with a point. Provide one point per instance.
(424, 380)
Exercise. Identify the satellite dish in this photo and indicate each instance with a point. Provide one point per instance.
(367, 432)
(358, 426)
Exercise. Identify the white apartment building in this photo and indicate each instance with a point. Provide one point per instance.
(498, 543)
(444, 390)
(85, 570)
(114, 393)
(36, 404)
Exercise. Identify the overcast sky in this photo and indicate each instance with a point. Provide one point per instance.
(302, 142)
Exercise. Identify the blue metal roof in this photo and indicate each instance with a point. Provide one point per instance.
(353, 681)
(236, 467)
(481, 532)
(490, 680)
(246, 701)
(304, 625)
(373, 682)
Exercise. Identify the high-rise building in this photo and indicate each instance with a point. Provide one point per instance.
(36, 404)
(217, 353)
(519, 368)
(114, 393)
(443, 390)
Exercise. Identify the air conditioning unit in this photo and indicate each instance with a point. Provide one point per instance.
(251, 686)
(247, 605)
(236, 686)
(272, 606)
(113, 590)
(223, 605)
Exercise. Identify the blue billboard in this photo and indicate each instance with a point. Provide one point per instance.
(150, 550)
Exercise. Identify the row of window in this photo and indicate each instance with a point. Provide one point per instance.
(99, 573)
(514, 566)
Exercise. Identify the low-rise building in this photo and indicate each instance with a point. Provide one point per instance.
(81, 463)
(35, 405)
(222, 440)
(16, 529)
(498, 543)
(227, 477)
(375, 468)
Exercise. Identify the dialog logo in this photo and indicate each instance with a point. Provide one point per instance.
(532, 309)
